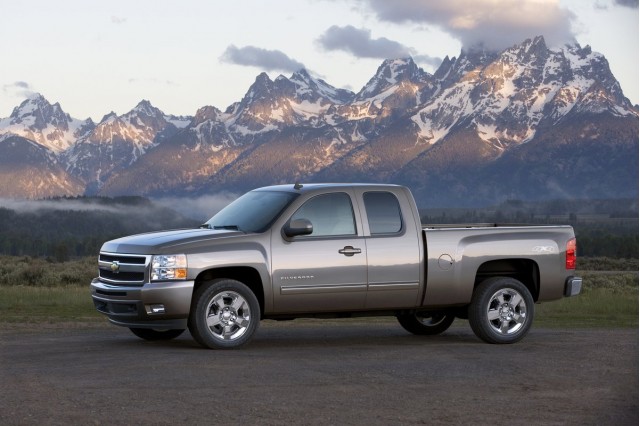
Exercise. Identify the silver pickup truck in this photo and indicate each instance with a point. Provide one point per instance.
(332, 251)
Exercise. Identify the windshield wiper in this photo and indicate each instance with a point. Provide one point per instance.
(205, 226)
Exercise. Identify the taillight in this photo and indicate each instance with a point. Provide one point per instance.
(571, 254)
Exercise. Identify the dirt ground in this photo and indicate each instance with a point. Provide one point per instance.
(319, 373)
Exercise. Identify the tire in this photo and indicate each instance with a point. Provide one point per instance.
(426, 323)
(155, 335)
(501, 310)
(224, 315)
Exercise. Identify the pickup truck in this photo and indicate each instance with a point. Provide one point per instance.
(332, 251)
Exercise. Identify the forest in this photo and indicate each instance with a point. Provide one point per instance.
(61, 229)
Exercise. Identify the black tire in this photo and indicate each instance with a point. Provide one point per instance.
(501, 310)
(155, 335)
(224, 314)
(426, 323)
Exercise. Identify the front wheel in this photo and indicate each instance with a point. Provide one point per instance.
(155, 335)
(501, 310)
(225, 314)
(425, 323)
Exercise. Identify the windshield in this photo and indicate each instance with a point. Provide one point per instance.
(255, 211)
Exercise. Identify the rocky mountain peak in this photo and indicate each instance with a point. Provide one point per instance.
(110, 117)
(48, 125)
(390, 73)
(206, 113)
(310, 88)
(36, 113)
(145, 107)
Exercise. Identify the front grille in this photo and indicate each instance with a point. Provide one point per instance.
(122, 276)
(133, 260)
(123, 269)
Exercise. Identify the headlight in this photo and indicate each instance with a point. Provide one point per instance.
(169, 267)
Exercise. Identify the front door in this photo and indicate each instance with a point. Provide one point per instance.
(327, 270)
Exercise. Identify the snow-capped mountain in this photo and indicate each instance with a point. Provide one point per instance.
(526, 122)
(274, 105)
(48, 125)
(117, 142)
(507, 97)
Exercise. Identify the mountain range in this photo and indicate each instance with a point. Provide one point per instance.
(529, 122)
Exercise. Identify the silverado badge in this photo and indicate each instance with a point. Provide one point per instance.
(115, 267)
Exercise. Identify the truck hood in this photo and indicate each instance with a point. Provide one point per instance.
(165, 241)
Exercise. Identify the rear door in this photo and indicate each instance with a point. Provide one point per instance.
(393, 250)
(327, 270)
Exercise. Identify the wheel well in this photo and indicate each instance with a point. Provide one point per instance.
(524, 270)
(246, 275)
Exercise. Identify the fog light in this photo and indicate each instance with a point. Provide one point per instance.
(154, 309)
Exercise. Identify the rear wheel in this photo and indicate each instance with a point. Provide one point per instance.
(425, 323)
(225, 314)
(153, 335)
(501, 310)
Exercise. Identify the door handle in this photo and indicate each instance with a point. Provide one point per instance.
(349, 251)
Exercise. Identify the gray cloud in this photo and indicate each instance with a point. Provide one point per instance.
(359, 43)
(118, 20)
(268, 60)
(627, 3)
(18, 89)
(492, 24)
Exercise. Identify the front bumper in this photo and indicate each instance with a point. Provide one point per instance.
(572, 286)
(161, 305)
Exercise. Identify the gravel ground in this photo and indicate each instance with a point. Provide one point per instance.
(311, 372)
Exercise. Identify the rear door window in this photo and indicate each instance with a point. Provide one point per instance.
(383, 213)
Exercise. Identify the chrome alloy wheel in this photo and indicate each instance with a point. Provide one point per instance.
(506, 311)
(228, 315)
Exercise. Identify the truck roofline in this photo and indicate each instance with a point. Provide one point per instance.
(308, 187)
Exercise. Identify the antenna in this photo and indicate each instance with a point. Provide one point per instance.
(298, 185)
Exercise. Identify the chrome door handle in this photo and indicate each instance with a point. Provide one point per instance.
(349, 251)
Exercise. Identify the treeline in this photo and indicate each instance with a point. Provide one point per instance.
(604, 228)
(65, 228)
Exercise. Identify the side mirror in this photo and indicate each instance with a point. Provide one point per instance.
(298, 227)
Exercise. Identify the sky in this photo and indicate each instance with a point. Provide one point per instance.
(96, 57)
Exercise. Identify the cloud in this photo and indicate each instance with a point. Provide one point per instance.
(118, 20)
(490, 23)
(18, 89)
(428, 60)
(627, 3)
(268, 60)
(359, 43)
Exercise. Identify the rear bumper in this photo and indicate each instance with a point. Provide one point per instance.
(162, 305)
(573, 286)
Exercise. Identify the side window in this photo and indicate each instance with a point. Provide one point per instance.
(383, 212)
(330, 214)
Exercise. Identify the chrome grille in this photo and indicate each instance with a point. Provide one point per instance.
(123, 269)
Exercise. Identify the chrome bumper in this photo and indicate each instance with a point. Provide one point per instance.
(573, 286)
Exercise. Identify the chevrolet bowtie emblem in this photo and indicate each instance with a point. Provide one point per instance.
(115, 267)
